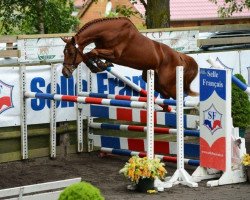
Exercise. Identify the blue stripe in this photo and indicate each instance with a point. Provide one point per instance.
(110, 126)
(192, 150)
(123, 103)
(123, 152)
(170, 102)
(239, 83)
(194, 133)
(170, 120)
(44, 96)
(98, 95)
(194, 162)
(110, 142)
(99, 111)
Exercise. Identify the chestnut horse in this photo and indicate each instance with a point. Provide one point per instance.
(118, 41)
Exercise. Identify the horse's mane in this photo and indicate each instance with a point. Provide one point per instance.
(100, 20)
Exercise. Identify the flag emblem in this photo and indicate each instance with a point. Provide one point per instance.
(5, 96)
(212, 119)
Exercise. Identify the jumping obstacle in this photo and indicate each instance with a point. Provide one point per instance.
(182, 176)
(124, 146)
(217, 135)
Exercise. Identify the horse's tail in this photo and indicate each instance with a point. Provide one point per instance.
(190, 72)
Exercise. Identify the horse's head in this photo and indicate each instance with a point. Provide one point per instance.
(72, 57)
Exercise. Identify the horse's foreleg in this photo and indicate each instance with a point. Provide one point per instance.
(96, 54)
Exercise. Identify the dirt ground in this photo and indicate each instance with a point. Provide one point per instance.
(103, 173)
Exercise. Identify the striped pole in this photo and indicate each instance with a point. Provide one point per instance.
(158, 101)
(141, 91)
(90, 100)
(159, 130)
(125, 152)
(235, 80)
(241, 85)
(127, 81)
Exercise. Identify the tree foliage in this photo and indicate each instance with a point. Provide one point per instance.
(231, 6)
(32, 17)
(240, 106)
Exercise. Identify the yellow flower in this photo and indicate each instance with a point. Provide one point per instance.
(137, 168)
(246, 160)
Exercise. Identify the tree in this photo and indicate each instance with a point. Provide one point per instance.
(157, 13)
(32, 17)
(231, 6)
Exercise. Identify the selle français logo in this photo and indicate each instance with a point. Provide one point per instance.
(212, 119)
(5, 96)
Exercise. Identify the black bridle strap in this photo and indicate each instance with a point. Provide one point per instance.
(84, 57)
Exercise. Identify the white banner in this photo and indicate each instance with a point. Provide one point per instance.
(51, 49)
(38, 79)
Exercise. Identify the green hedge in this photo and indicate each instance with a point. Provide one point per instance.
(81, 191)
(240, 106)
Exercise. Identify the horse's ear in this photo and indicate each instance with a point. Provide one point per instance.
(65, 39)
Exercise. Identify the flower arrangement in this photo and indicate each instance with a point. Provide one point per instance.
(139, 168)
(246, 160)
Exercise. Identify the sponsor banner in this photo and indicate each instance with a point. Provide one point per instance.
(38, 79)
(213, 118)
(178, 40)
(40, 49)
(51, 49)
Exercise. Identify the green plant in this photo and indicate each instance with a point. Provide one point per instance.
(81, 191)
(139, 168)
(240, 106)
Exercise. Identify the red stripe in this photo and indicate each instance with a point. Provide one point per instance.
(121, 97)
(143, 116)
(170, 159)
(143, 99)
(142, 154)
(93, 100)
(161, 147)
(143, 92)
(69, 98)
(136, 144)
(161, 130)
(124, 114)
(136, 128)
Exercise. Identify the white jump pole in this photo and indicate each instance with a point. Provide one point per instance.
(180, 176)
(150, 114)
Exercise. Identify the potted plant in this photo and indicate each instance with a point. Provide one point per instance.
(143, 171)
(246, 163)
(240, 107)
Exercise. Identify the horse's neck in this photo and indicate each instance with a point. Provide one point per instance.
(90, 32)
